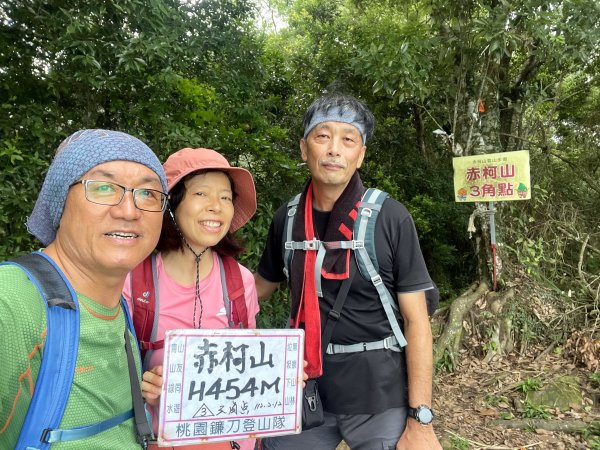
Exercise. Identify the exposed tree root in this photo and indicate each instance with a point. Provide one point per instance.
(501, 340)
(450, 339)
(566, 426)
(475, 445)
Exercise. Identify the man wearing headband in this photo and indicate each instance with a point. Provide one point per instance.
(98, 214)
(379, 396)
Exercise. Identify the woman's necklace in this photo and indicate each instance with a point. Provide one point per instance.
(197, 299)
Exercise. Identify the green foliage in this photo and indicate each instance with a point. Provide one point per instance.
(495, 400)
(19, 179)
(595, 379)
(445, 363)
(527, 326)
(459, 443)
(592, 435)
(529, 250)
(490, 346)
(254, 235)
(173, 73)
(440, 225)
(531, 411)
(531, 254)
(396, 60)
(530, 384)
(274, 311)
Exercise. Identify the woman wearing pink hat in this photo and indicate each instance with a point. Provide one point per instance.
(208, 201)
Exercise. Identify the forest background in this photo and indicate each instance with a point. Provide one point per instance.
(443, 78)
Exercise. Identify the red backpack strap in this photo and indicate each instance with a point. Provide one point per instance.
(235, 291)
(143, 297)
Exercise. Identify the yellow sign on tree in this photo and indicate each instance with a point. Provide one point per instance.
(494, 177)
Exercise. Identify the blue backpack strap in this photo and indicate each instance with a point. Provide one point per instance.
(57, 368)
(72, 434)
(128, 318)
(366, 258)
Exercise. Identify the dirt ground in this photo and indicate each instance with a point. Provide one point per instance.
(465, 412)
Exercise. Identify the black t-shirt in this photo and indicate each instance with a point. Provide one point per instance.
(366, 382)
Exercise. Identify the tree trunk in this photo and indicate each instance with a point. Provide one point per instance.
(483, 249)
(420, 132)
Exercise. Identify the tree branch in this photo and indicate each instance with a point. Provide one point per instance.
(527, 71)
(578, 239)
(573, 167)
(571, 164)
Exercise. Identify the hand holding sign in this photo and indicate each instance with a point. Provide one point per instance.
(152, 383)
(229, 384)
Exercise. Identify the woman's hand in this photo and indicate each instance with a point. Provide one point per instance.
(152, 382)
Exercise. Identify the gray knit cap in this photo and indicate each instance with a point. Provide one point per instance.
(76, 155)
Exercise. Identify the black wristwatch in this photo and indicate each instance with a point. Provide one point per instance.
(422, 414)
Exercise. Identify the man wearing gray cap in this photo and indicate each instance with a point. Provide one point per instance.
(98, 214)
(374, 368)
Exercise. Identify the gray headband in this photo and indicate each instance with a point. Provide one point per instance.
(76, 155)
(336, 114)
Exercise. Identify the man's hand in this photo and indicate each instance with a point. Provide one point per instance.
(304, 375)
(152, 382)
(418, 437)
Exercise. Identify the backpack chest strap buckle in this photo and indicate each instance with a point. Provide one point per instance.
(376, 280)
(389, 343)
(313, 244)
(358, 244)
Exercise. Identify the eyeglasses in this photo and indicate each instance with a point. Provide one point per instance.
(111, 194)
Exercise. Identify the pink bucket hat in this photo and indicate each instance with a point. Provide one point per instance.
(188, 160)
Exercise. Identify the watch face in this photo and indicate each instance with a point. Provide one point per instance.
(425, 415)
